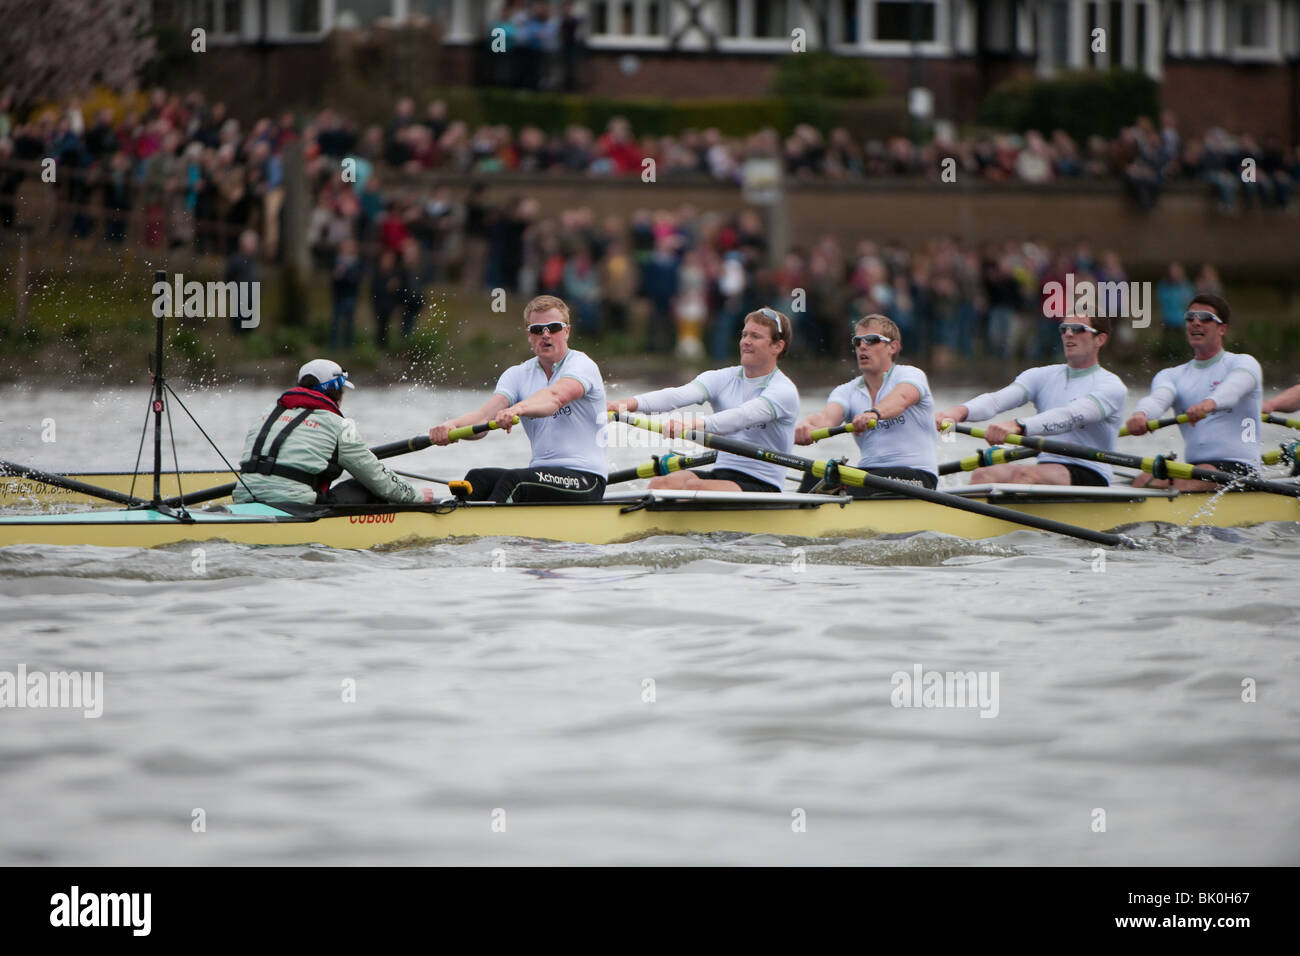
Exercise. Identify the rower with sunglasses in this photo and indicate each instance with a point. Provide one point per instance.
(559, 396)
(753, 401)
(891, 409)
(303, 442)
(1078, 401)
(1214, 381)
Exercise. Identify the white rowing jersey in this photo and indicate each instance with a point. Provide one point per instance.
(760, 410)
(574, 437)
(1082, 406)
(1235, 383)
(907, 441)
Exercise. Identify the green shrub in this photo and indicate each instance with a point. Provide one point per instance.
(823, 74)
(1083, 104)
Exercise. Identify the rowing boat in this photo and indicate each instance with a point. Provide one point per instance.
(15, 490)
(630, 515)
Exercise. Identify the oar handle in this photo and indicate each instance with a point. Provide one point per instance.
(421, 442)
(1183, 420)
(846, 428)
(662, 465)
(1158, 424)
(986, 457)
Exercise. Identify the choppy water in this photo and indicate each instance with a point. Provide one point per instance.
(508, 682)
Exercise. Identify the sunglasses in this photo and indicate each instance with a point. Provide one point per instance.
(1077, 328)
(538, 328)
(1206, 317)
(775, 317)
(871, 338)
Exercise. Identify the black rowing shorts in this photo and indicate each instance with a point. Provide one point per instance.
(746, 481)
(520, 485)
(1083, 475)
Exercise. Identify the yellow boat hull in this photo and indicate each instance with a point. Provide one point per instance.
(31, 492)
(627, 519)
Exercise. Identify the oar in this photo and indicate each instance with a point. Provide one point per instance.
(1158, 423)
(860, 478)
(846, 428)
(1183, 420)
(433, 478)
(662, 465)
(414, 443)
(986, 457)
(1159, 466)
(71, 484)
(1279, 420)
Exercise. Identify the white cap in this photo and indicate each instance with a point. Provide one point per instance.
(324, 372)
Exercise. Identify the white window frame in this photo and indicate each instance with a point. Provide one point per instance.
(1271, 50)
(277, 27)
(637, 40)
(941, 46)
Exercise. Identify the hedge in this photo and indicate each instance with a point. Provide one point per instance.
(1083, 104)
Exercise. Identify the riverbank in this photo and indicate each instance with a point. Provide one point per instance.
(97, 329)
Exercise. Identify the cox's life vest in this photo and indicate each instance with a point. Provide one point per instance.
(258, 463)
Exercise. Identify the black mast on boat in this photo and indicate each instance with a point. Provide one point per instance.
(157, 504)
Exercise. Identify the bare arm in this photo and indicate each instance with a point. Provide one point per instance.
(828, 417)
(898, 401)
(489, 411)
(543, 402)
(1288, 401)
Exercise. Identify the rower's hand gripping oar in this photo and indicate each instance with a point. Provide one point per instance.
(835, 473)
(1279, 420)
(414, 443)
(1158, 466)
(1183, 420)
(845, 429)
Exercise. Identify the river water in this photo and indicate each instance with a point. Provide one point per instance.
(672, 700)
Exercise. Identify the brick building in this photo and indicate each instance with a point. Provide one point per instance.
(1230, 63)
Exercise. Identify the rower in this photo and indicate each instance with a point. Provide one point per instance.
(1078, 401)
(1215, 380)
(891, 409)
(559, 396)
(303, 442)
(753, 401)
(1288, 401)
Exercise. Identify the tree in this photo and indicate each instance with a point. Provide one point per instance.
(51, 50)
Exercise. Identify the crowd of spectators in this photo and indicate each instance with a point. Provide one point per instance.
(190, 175)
